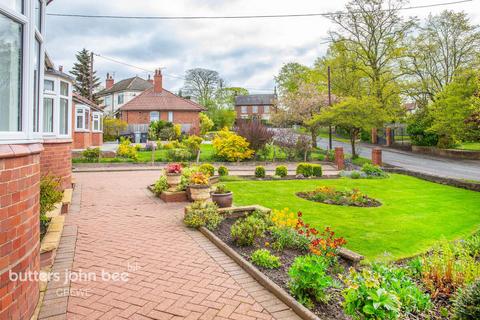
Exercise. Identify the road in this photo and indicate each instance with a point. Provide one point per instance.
(450, 168)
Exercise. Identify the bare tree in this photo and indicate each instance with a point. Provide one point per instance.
(202, 85)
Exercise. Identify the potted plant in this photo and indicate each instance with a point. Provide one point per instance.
(222, 197)
(199, 187)
(174, 175)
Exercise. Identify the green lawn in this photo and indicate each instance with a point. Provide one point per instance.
(475, 146)
(414, 216)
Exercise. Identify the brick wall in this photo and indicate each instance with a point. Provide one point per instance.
(179, 117)
(19, 228)
(97, 139)
(56, 160)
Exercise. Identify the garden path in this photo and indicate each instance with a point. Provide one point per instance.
(173, 272)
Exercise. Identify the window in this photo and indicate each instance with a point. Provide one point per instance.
(154, 116)
(11, 52)
(255, 109)
(97, 121)
(120, 98)
(108, 101)
(63, 118)
(82, 121)
(244, 109)
(170, 116)
(80, 124)
(266, 109)
(16, 5)
(87, 119)
(36, 80)
(38, 15)
(49, 85)
(48, 115)
(64, 89)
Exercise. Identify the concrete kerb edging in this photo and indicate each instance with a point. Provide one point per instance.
(298, 308)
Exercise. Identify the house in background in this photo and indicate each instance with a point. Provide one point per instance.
(157, 103)
(87, 123)
(255, 107)
(115, 95)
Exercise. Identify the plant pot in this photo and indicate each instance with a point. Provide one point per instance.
(199, 192)
(223, 200)
(173, 180)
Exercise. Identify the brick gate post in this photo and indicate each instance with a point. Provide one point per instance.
(377, 156)
(374, 136)
(388, 133)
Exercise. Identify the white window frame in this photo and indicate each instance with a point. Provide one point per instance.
(266, 109)
(121, 94)
(30, 32)
(97, 117)
(150, 115)
(254, 109)
(170, 116)
(57, 96)
(82, 109)
(244, 109)
(54, 127)
(45, 88)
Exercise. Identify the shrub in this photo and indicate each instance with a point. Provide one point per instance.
(126, 150)
(221, 189)
(305, 169)
(178, 154)
(316, 170)
(466, 305)
(185, 178)
(222, 171)
(309, 279)
(373, 171)
(257, 134)
(50, 193)
(355, 175)
(160, 185)
(206, 124)
(112, 128)
(245, 231)
(472, 245)
(171, 145)
(91, 154)
(163, 130)
(264, 258)
(208, 169)
(193, 144)
(281, 171)
(203, 214)
(288, 238)
(260, 172)
(231, 147)
(199, 178)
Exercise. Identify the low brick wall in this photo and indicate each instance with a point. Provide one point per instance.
(448, 153)
(19, 226)
(56, 160)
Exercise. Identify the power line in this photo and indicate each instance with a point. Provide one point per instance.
(321, 14)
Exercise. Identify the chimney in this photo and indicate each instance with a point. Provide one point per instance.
(150, 79)
(60, 68)
(109, 82)
(158, 82)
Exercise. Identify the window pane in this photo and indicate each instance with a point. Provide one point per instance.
(10, 75)
(120, 98)
(47, 115)
(154, 116)
(63, 116)
(170, 116)
(49, 85)
(87, 119)
(64, 89)
(36, 79)
(38, 15)
(80, 121)
(16, 5)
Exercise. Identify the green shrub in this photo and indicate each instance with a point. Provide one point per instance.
(309, 279)
(185, 179)
(260, 172)
(472, 244)
(50, 193)
(373, 171)
(305, 169)
(288, 238)
(208, 169)
(466, 305)
(281, 171)
(222, 171)
(126, 150)
(264, 258)
(178, 155)
(91, 154)
(355, 175)
(203, 214)
(245, 231)
(316, 170)
(160, 185)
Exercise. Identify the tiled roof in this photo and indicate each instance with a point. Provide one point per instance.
(255, 100)
(164, 101)
(78, 98)
(134, 84)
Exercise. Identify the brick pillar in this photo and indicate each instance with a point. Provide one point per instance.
(388, 133)
(339, 158)
(19, 229)
(377, 156)
(374, 136)
(56, 160)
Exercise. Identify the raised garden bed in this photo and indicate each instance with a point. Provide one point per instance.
(329, 195)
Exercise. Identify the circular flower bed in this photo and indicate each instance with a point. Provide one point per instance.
(329, 195)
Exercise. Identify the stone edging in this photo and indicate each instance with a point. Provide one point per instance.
(298, 308)
(441, 180)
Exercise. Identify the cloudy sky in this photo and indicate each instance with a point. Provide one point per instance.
(247, 53)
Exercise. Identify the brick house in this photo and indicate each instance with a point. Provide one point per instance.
(157, 103)
(87, 119)
(255, 106)
(115, 95)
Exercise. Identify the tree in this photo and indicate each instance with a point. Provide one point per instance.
(112, 128)
(446, 45)
(256, 134)
(84, 80)
(202, 85)
(353, 115)
(206, 124)
(374, 32)
(223, 118)
(291, 75)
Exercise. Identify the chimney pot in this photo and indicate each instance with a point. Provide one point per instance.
(158, 81)
(109, 82)
(60, 68)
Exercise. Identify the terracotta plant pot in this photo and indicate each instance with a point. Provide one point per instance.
(199, 192)
(173, 180)
(223, 200)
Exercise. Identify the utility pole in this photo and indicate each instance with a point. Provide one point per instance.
(91, 77)
(330, 144)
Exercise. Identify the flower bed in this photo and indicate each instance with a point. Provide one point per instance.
(329, 195)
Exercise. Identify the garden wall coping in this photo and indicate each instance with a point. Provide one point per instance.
(52, 238)
(448, 153)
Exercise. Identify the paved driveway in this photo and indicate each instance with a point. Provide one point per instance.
(450, 168)
(173, 272)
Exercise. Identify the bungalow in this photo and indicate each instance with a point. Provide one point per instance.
(157, 103)
(88, 123)
(255, 106)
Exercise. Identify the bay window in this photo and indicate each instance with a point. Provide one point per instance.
(48, 115)
(36, 83)
(49, 85)
(63, 116)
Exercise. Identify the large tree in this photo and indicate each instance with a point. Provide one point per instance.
(84, 80)
(374, 32)
(446, 44)
(202, 85)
